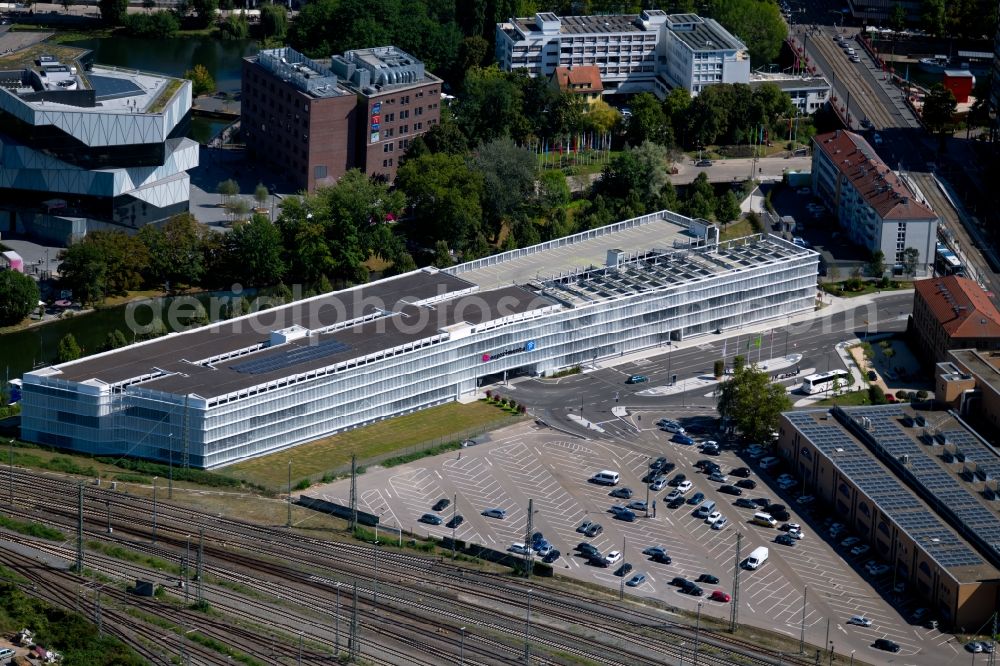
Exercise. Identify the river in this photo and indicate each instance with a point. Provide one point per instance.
(222, 58)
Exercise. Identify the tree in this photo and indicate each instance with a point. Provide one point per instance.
(700, 198)
(176, 250)
(876, 266)
(260, 194)
(897, 17)
(444, 196)
(490, 104)
(876, 395)
(202, 82)
(205, 10)
(508, 179)
(939, 110)
(68, 349)
(601, 118)
(83, 271)
(18, 297)
(933, 15)
(114, 340)
(648, 122)
(113, 11)
(727, 208)
(911, 259)
(228, 189)
(274, 21)
(719, 368)
(254, 250)
(751, 402)
(553, 190)
(235, 26)
(758, 24)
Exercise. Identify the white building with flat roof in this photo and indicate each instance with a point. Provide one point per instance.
(648, 52)
(273, 379)
(699, 52)
(877, 208)
(808, 93)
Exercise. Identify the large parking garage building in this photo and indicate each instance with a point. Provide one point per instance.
(920, 487)
(273, 379)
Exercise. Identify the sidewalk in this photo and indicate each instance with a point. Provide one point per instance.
(833, 305)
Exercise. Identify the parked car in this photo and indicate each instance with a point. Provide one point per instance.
(587, 549)
(790, 527)
(637, 505)
(730, 490)
(441, 504)
(658, 484)
(860, 549)
(655, 550)
(675, 503)
(718, 477)
(455, 521)
(879, 570)
(785, 540)
(720, 523)
(598, 561)
(755, 451)
(626, 515)
(742, 472)
(682, 439)
(769, 462)
(584, 526)
(636, 580)
(860, 620)
(673, 427)
(746, 503)
(636, 379)
(662, 559)
(613, 557)
(719, 595)
(749, 484)
(696, 499)
(707, 578)
(974, 646)
(693, 590)
(712, 517)
(518, 549)
(678, 479)
(886, 644)
(684, 486)
(551, 556)
(495, 513)
(623, 570)
(431, 519)
(805, 500)
(703, 163)
(594, 530)
(622, 493)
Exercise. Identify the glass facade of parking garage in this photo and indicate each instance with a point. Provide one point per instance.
(222, 394)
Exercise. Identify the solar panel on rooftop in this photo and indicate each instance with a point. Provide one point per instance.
(290, 357)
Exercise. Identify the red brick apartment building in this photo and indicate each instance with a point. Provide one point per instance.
(314, 121)
(953, 312)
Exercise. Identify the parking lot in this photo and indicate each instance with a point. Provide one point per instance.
(528, 461)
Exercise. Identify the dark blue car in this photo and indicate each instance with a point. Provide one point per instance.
(682, 439)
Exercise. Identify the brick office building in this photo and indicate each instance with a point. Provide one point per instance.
(397, 100)
(314, 121)
(953, 312)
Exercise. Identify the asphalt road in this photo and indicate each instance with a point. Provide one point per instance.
(595, 392)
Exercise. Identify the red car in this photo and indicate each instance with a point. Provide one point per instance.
(719, 595)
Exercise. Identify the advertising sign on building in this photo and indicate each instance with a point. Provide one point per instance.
(526, 347)
(377, 108)
(374, 137)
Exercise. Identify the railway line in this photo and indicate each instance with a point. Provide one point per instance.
(428, 600)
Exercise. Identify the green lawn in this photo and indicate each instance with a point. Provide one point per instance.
(853, 399)
(836, 288)
(736, 230)
(442, 423)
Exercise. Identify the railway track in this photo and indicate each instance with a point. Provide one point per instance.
(410, 586)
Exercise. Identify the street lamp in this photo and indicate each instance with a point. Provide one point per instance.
(852, 657)
(11, 472)
(697, 628)
(108, 502)
(170, 451)
(647, 489)
(461, 649)
(154, 509)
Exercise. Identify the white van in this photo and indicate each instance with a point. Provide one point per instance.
(706, 508)
(756, 558)
(606, 478)
(765, 519)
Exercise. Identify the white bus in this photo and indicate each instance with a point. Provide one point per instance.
(824, 381)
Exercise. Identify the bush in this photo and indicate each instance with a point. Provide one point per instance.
(489, 394)
(156, 25)
(755, 222)
(521, 409)
(719, 368)
(901, 395)
(876, 395)
(303, 484)
(921, 395)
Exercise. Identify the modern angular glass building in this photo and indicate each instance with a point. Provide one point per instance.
(283, 376)
(85, 147)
